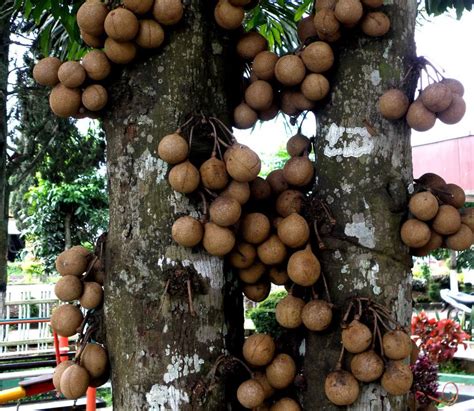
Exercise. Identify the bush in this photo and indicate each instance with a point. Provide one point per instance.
(419, 284)
(263, 315)
(433, 292)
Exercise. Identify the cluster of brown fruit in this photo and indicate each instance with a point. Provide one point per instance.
(76, 92)
(442, 99)
(278, 374)
(436, 217)
(366, 365)
(230, 14)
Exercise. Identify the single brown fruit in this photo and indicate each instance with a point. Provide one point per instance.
(168, 12)
(251, 44)
(269, 114)
(277, 181)
(423, 205)
(455, 112)
(298, 145)
(330, 38)
(64, 101)
(453, 195)
(325, 21)
(94, 359)
(436, 241)
(467, 217)
(121, 25)
(261, 378)
(244, 116)
(250, 394)
(95, 97)
(252, 274)
(290, 70)
(272, 251)
(45, 72)
(349, 12)
(264, 65)
(281, 371)
(68, 288)
(437, 97)
(255, 228)
(293, 231)
(242, 163)
(356, 337)
(299, 101)
(415, 233)
(419, 117)
(396, 344)
(375, 24)
(74, 382)
(306, 29)
(367, 366)
(92, 41)
(260, 189)
(285, 404)
(91, 17)
(58, 372)
(73, 261)
(218, 240)
(66, 319)
(397, 378)
(257, 292)
(227, 16)
(287, 103)
(213, 174)
(225, 211)
(341, 388)
(431, 180)
(96, 64)
(99, 381)
(138, 6)
(461, 240)
(150, 34)
(289, 201)
(184, 177)
(259, 95)
(173, 149)
(278, 275)
(92, 295)
(317, 315)
(303, 267)
(240, 191)
(243, 255)
(315, 87)
(318, 57)
(120, 53)
(393, 104)
(373, 3)
(259, 349)
(454, 85)
(298, 171)
(325, 4)
(187, 231)
(447, 221)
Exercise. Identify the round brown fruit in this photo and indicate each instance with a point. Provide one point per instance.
(397, 378)
(317, 315)
(92, 41)
(243, 255)
(74, 382)
(367, 366)
(257, 292)
(298, 171)
(120, 53)
(92, 295)
(318, 57)
(255, 228)
(325, 21)
(396, 344)
(293, 231)
(454, 85)
(58, 372)
(290, 70)
(45, 72)
(242, 163)
(453, 195)
(213, 174)
(278, 276)
(356, 337)
(250, 394)
(121, 25)
(66, 319)
(227, 16)
(419, 117)
(138, 6)
(251, 44)
(304, 268)
(315, 87)
(415, 233)
(94, 97)
(431, 180)
(298, 145)
(64, 101)
(68, 288)
(94, 359)
(260, 189)
(461, 240)
(467, 217)
(375, 24)
(218, 240)
(150, 34)
(281, 371)
(437, 97)
(168, 12)
(240, 191)
(259, 349)
(73, 261)
(349, 12)
(96, 64)
(262, 380)
(269, 114)
(287, 103)
(306, 28)
(252, 274)
(259, 95)
(244, 116)
(436, 241)
(184, 177)
(455, 112)
(393, 104)
(187, 231)
(173, 149)
(299, 101)
(277, 182)
(423, 205)
(91, 17)
(341, 388)
(447, 221)
(272, 251)
(289, 201)
(264, 65)
(285, 404)
(225, 211)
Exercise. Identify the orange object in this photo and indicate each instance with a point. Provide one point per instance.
(63, 347)
(91, 399)
(12, 394)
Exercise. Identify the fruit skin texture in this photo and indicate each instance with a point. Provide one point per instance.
(68, 288)
(255, 228)
(437, 97)
(373, 3)
(376, 24)
(298, 171)
(257, 292)
(187, 231)
(306, 28)
(318, 57)
(415, 233)
(120, 53)
(73, 261)
(264, 65)
(45, 72)
(356, 337)
(92, 295)
(325, 22)
(315, 87)
(74, 382)
(298, 145)
(184, 177)
(250, 394)
(168, 12)
(65, 320)
(455, 112)
(293, 231)
(244, 116)
(58, 372)
(285, 404)
(258, 349)
(96, 64)
(288, 311)
(349, 11)
(423, 205)
(289, 201)
(250, 45)
(367, 366)
(238, 190)
(64, 101)
(461, 240)
(252, 274)
(467, 217)
(242, 163)
(94, 359)
(317, 315)
(150, 34)
(228, 16)
(121, 25)
(217, 240)
(213, 174)
(272, 251)
(281, 371)
(455, 197)
(95, 97)
(447, 221)
(304, 268)
(259, 95)
(138, 6)
(419, 117)
(341, 388)
(91, 17)
(290, 70)
(454, 85)
(393, 104)
(92, 41)
(225, 211)
(397, 378)
(396, 345)
(173, 149)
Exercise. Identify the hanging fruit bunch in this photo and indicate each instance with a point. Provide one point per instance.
(436, 217)
(116, 36)
(82, 276)
(379, 346)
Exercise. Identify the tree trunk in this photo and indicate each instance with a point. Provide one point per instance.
(364, 167)
(159, 351)
(67, 230)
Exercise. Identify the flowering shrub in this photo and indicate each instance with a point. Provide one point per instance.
(425, 380)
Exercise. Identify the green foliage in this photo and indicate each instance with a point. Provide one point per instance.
(434, 292)
(437, 7)
(275, 161)
(263, 315)
(452, 367)
(464, 259)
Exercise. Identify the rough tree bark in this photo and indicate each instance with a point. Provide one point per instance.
(158, 357)
(364, 167)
